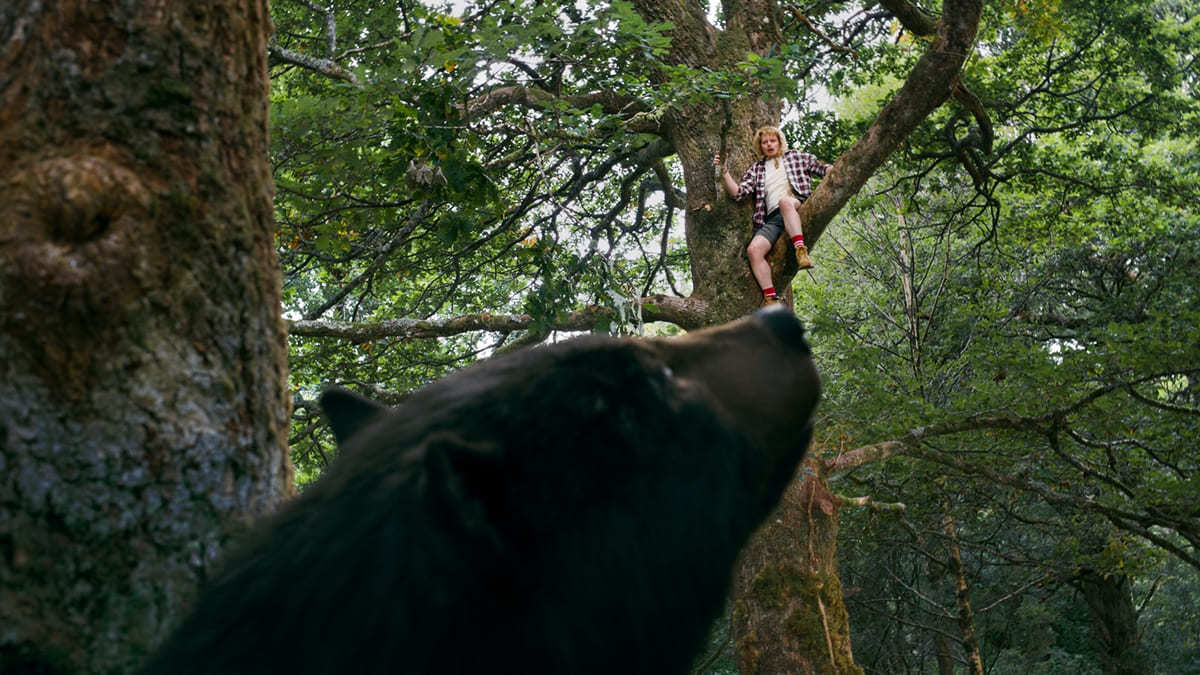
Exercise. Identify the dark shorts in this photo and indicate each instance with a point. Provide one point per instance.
(772, 227)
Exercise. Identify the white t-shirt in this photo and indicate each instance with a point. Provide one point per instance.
(776, 183)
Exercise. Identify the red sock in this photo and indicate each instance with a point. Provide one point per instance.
(798, 241)
(769, 292)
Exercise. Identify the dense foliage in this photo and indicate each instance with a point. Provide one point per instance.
(1047, 312)
(1012, 303)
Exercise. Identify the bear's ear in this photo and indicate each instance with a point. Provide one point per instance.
(348, 412)
(477, 467)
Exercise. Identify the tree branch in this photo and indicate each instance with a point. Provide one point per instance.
(967, 99)
(323, 66)
(872, 503)
(687, 313)
(610, 102)
(1161, 405)
(398, 239)
(911, 17)
(911, 441)
(824, 38)
(928, 85)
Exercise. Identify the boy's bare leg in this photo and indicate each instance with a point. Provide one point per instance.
(791, 223)
(791, 217)
(757, 252)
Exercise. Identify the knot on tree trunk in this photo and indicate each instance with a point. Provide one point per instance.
(77, 257)
(73, 242)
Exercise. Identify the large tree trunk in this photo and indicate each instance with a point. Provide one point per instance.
(143, 396)
(788, 614)
(718, 229)
(1114, 621)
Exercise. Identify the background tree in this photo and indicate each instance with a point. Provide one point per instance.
(1041, 503)
(143, 401)
(1055, 294)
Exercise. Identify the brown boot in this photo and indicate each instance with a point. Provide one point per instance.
(767, 302)
(802, 258)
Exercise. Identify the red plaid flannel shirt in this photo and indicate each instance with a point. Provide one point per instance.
(800, 167)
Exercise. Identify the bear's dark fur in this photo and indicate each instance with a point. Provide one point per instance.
(575, 508)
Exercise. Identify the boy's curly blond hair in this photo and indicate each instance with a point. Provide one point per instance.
(769, 130)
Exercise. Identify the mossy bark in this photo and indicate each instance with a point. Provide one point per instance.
(789, 615)
(143, 395)
(962, 596)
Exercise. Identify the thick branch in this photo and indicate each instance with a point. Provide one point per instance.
(866, 454)
(687, 313)
(912, 440)
(913, 18)
(967, 99)
(610, 102)
(928, 86)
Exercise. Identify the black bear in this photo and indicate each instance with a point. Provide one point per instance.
(574, 508)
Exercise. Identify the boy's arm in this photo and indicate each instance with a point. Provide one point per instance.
(814, 166)
(731, 185)
(748, 185)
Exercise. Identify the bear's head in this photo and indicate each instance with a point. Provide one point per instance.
(575, 508)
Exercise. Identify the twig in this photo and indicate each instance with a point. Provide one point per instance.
(825, 623)
(872, 504)
(832, 45)
(323, 66)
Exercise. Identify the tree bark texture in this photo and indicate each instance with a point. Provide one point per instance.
(788, 612)
(717, 229)
(143, 395)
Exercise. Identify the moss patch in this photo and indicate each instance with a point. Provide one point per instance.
(781, 586)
